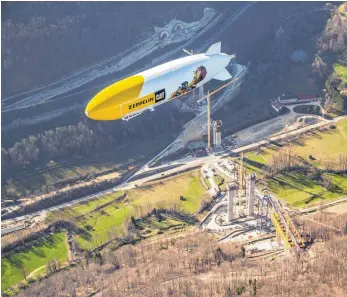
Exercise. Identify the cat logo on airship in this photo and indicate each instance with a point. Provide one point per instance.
(159, 95)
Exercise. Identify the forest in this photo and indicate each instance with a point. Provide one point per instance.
(330, 62)
(76, 34)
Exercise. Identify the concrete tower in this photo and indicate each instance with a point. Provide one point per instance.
(217, 134)
(251, 196)
(231, 193)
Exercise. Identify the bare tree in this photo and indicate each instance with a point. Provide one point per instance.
(319, 67)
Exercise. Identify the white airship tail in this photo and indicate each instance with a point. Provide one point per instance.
(214, 49)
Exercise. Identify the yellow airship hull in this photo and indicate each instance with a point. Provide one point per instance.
(117, 99)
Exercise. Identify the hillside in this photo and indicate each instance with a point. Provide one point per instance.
(160, 217)
(92, 209)
(76, 34)
(195, 265)
(331, 60)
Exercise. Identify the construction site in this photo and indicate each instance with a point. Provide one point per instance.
(243, 214)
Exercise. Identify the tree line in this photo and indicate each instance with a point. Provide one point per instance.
(85, 138)
(60, 142)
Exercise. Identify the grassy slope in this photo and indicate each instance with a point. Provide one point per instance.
(169, 192)
(294, 187)
(163, 193)
(53, 247)
(338, 102)
(89, 206)
(82, 208)
(341, 71)
(297, 189)
(323, 146)
(342, 125)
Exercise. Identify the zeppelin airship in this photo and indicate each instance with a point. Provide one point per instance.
(133, 95)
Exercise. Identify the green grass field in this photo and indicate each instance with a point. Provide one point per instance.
(341, 71)
(169, 191)
(298, 190)
(342, 125)
(91, 205)
(99, 224)
(294, 187)
(14, 266)
(82, 208)
(161, 194)
(207, 182)
(220, 181)
(151, 226)
(323, 146)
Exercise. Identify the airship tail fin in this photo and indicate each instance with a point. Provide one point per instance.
(223, 75)
(214, 49)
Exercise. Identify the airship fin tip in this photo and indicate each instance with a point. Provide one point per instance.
(214, 49)
(223, 75)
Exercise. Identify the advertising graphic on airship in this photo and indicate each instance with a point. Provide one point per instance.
(185, 87)
(133, 95)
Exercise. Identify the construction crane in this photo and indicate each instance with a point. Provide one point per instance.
(208, 121)
(208, 97)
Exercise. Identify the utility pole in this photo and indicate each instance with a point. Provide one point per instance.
(208, 122)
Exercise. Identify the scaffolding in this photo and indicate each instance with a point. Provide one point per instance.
(263, 217)
(285, 228)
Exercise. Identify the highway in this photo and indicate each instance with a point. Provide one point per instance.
(11, 229)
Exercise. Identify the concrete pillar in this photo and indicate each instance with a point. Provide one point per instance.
(217, 133)
(231, 200)
(251, 195)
